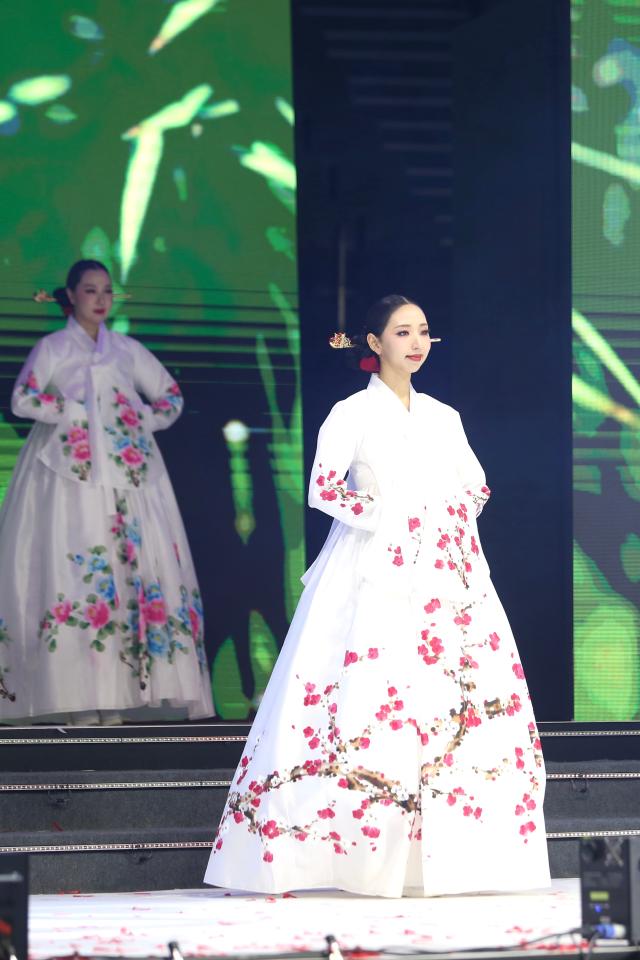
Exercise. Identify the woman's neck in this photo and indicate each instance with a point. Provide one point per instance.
(399, 382)
(92, 329)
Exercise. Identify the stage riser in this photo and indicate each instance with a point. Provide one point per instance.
(136, 809)
(113, 871)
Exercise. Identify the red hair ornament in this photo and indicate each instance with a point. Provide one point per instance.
(370, 364)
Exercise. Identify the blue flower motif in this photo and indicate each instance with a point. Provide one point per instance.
(133, 620)
(154, 591)
(106, 587)
(197, 606)
(97, 563)
(121, 442)
(78, 559)
(182, 614)
(132, 531)
(143, 444)
(157, 641)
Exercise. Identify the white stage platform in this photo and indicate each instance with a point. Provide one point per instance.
(211, 922)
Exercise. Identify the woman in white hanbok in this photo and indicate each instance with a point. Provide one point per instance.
(100, 612)
(395, 748)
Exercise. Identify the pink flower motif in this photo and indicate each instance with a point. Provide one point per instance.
(448, 759)
(155, 611)
(450, 510)
(398, 561)
(238, 817)
(333, 708)
(47, 398)
(432, 606)
(314, 743)
(451, 800)
(245, 761)
(129, 416)
(517, 669)
(270, 830)
(424, 739)
(364, 743)
(320, 481)
(194, 620)
(519, 810)
(358, 814)
(268, 856)
(97, 614)
(256, 802)
(308, 732)
(451, 565)
(462, 621)
(32, 383)
(161, 405)
(357, 509)
(328, 495)
(398, 705)
(396, 724)
(326, 814)
(121, 398)
(131, 551)
(350, 657)
(132, 456)
(372, 832)
(81, 451)
(373, 653)
(343, 783)
(76, 434)
(439, 564)
(174, 390)
(414, 523)
(494, 641)
(62, 611)
(436, 645)
(219, 844)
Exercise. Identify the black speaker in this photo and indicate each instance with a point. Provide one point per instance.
(610, 884)
(14, 905)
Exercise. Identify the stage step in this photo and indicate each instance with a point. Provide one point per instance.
(120, 827)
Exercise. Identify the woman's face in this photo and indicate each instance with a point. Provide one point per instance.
(92, 298)
(405, 343)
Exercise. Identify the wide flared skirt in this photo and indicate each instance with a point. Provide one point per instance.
(99, 601)
(395, 748)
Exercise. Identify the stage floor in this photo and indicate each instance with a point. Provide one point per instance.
(211, 922)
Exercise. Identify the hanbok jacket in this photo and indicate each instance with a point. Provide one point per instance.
(99, 403)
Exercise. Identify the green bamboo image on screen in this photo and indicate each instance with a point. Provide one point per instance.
(606, 342)
(158, 137)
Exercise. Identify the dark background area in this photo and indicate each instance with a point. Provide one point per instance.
(433, 153)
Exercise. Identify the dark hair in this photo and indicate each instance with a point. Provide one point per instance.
(376, 320)
(74, 276)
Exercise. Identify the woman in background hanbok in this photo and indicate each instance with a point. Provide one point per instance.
(100, 612)
(395, 748)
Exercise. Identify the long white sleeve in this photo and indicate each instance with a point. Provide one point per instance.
(470, 472)
(158, 386)
(329, 491)
(30, 397)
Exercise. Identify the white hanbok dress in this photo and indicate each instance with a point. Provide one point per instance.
(99, 602)
(395, 747)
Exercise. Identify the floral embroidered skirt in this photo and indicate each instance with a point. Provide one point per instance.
(395, 748)
(99, 602)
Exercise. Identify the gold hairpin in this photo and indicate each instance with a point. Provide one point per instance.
(340, 341)
(41, 296)
(122, 296)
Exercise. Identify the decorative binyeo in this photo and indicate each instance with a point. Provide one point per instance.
(340, 341)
